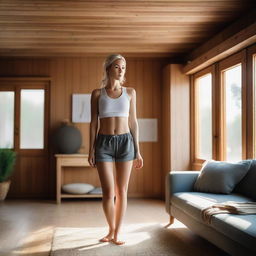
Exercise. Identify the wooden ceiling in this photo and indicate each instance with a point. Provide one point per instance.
(163, 28)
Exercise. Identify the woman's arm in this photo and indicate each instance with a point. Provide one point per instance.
(134, 128)
(93, 126)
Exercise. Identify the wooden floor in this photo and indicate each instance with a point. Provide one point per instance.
(26, 226)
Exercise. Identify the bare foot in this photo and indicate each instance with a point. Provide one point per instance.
(107, 238)
(117, 242)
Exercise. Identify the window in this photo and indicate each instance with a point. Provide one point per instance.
(232, 79)
(24, 113)
(202, 121)
(32, 119)
(7, 119)
(233, 109)
(204, 116)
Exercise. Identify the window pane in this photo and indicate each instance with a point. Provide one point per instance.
(204, 85)
(32, 119)
(233, 92)
(7, 119)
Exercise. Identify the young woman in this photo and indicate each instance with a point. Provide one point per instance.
(116, 141)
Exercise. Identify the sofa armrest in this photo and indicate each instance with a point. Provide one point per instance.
(178, 181)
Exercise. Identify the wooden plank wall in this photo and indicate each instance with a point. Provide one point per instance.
(175, 120)
(180, 119)
(82, 75)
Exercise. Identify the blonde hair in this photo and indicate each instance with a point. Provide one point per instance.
(106, 66)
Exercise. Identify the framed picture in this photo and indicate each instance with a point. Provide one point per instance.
(81, 108)
(147, 129)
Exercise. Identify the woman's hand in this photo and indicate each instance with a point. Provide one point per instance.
(91, 159)
(138, 161)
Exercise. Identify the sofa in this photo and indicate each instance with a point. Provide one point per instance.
(233, 233)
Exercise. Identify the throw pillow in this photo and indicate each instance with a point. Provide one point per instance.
(77, 188)
(247, 186)
(221, 177)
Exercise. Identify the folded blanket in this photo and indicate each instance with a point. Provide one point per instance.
(228, 207)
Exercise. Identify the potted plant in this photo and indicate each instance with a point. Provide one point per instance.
(7, 161)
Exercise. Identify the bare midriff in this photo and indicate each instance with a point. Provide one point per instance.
(114, 125)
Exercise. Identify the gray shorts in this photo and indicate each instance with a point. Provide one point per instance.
(118, 148)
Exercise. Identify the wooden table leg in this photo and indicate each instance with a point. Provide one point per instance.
(58, 182)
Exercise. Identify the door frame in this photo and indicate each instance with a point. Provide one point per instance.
(18, 83)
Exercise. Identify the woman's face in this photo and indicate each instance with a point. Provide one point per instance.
(117, 69)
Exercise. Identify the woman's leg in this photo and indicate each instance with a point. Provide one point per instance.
(105, 171)
(123, 171)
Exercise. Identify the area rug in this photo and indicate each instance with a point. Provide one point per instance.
(147, 239)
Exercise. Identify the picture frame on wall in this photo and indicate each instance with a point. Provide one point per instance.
(81, 108)
(148, 129)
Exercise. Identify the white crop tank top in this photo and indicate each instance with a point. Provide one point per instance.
(109, 107)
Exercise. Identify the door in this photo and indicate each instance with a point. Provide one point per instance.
(24, 123)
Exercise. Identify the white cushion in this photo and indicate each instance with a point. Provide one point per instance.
(97, 191)
(77, 188)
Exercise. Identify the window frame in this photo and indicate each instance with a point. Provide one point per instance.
(251, 101)
(233, 60)
(196, 161)
(245, 57)
(16, 84)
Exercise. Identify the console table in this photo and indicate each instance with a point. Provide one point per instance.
(70, 160)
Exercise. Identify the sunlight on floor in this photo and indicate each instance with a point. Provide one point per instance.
(36, 242)
(40, 241)
(88, 238)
